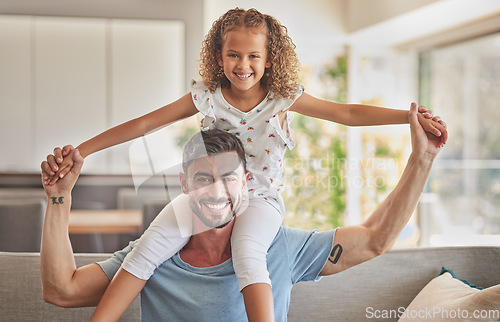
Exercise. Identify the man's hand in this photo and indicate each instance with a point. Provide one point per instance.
(423, 142)
(65, 185)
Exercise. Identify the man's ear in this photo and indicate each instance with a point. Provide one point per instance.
(246, 177)
(184, 185)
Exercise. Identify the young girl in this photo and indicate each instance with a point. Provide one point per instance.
(249, 84)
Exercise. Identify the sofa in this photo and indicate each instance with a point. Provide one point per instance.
(388, 282)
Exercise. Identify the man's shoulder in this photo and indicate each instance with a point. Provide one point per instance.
(292, 232)
(301, 253)
(294, 238)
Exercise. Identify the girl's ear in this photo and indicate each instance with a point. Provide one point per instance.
(268, 64)
(219, 59)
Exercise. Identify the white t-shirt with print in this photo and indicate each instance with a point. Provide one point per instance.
(265, 140)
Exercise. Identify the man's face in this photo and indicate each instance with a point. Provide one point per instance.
(216, 186)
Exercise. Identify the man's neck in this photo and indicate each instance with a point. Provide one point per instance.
(209, 248)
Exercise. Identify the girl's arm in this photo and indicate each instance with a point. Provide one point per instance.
(359, 114)
(180, 109)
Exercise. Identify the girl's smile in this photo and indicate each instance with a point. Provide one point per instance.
(243, 76)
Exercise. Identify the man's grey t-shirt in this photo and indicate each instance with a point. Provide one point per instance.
(178, 291)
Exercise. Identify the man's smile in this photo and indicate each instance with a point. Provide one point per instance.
(215, 206)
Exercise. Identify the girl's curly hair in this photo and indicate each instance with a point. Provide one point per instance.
(281, 77)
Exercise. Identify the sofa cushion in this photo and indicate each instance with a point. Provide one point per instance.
(21, 291)
(447, 298)
(21, 221)
(386, 285)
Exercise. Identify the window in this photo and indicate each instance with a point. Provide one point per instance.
(461, 83)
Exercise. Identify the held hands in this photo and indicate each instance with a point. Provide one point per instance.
(424, 141)
(66, 183)
(57, 165)
(432, 124)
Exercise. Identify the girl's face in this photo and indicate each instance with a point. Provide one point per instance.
(244, 57)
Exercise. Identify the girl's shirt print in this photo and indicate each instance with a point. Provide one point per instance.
(265, 140)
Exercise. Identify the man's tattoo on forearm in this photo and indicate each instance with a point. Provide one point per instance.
(335, 254)
(57, 200)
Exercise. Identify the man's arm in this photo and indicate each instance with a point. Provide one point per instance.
(62, 283)
(356, 244)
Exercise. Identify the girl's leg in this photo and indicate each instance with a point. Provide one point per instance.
(166, 235)
(253, 233)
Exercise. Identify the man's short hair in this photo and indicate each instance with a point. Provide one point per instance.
(210, 142)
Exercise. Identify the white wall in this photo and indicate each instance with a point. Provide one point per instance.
(410, 22)
(66, 79)
(364, 13)
(188, 11)
(321, 29)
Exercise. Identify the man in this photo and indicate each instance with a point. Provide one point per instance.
(198, 283)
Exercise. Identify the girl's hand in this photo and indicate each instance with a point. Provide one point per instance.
(425, 112)
(57, 165)
(428, 115)
(64, 187)
(423, 142)
(432, 124)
